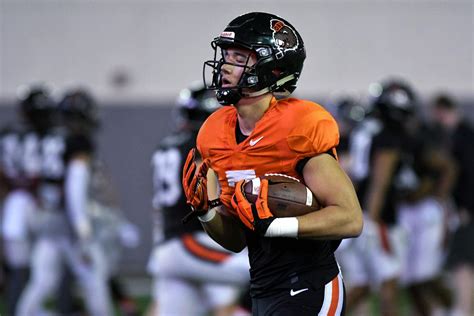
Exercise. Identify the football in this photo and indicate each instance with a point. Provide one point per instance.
(287, 196)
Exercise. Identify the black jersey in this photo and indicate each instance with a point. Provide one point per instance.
(282, 263)
(167, 163)
(369, 138)
(462, 147)
(57, 148)
(20, 160)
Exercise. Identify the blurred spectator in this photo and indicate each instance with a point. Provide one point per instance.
(459, 140)
(193, 275)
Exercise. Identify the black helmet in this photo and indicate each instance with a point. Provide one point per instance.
(279, 50)
(195, 104)
(37, 106)
(396, 101)
(79, 108)
(350, 111)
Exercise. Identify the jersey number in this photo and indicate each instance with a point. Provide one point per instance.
(166, 177)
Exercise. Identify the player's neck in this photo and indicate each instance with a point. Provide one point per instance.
(251, 110)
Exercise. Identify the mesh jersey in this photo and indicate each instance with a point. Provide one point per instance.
(289, 131)
(57, 147)
(20, 161)
(169, 199)
(371, 137)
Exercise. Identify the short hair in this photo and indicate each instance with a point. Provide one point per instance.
(444, 101)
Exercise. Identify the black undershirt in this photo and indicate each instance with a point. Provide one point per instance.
(239, 136)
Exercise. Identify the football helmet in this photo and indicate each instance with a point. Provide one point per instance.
(78, 108)
(194, 105)
(349, 113)
(37, 106)
(395, 102)
(279, 50)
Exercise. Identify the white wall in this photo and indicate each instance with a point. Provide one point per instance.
(162, 44)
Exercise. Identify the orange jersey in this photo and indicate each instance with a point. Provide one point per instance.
(290, 130)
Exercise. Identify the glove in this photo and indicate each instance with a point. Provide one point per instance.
(195, 183)
(256, 216)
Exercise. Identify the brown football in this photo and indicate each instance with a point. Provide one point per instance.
(287, 196)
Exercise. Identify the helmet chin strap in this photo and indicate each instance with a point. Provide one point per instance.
(232, 96)
(228, 96)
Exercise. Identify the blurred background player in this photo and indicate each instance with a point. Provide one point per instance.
(64, 229)
(349, 113)
(19, 174)
(377, 150)
(457, 137)
(424, 188)
(193, 275)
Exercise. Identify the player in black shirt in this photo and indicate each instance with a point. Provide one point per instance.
(64, 228)
(19, 175)
(379, 148)
(458, 138)
(192, 273)
(257, 58)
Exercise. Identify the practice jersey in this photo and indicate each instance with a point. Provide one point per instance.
(169, 199)
(462, 146)
(289, 131)
(57, 147)
(369, 138)
(20, 160)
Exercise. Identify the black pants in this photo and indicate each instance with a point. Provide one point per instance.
(328, 300)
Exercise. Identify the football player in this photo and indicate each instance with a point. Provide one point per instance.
(349, 113)
(193, 275)
(64, 229)
(19, 173)
(423, 215)
(380, 163)
(293, 271)
(458, 138)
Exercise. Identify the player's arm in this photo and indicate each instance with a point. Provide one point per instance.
(76, 194)
(440, 161)
(341, 216)
(383, 169)
(200, 186)
(224, 229)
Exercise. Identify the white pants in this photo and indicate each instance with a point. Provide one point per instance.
(18, 212)
(364, 261)
(424, 222)
(194, 275)
(47, 260)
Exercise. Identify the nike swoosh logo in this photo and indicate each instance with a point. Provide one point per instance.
(293, 293)
(253, 142)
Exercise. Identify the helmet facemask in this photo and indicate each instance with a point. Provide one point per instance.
(279, 52)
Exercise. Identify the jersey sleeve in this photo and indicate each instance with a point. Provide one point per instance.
(317, 132)
(388, 140)
(78, 144)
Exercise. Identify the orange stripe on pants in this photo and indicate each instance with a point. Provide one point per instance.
(203, 252)
(334, 297)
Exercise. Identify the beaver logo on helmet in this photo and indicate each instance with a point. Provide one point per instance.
(284, 36)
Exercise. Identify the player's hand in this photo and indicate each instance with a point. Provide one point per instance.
(256, 216)
(195, 183)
